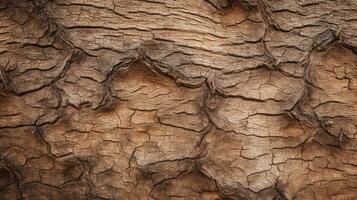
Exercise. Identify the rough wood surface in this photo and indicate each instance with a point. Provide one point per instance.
(178, 99)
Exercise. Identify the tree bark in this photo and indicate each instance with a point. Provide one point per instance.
(178, 99)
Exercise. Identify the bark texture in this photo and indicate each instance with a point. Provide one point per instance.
(178, 99)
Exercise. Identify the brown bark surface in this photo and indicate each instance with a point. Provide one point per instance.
(178, 99)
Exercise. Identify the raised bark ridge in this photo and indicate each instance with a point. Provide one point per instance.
(185, 99)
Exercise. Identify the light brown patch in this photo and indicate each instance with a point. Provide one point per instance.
(234, 15)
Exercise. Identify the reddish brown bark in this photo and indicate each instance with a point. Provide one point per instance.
(153, 99)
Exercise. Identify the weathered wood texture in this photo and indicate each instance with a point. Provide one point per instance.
(178, 99)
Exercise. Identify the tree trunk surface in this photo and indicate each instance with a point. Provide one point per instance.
(178, 99)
